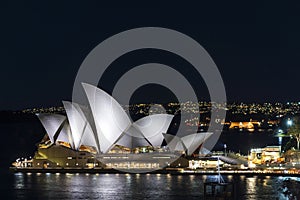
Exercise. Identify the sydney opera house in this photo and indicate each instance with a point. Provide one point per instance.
(103, 136)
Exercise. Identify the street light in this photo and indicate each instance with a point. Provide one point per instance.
(225, 146)
(280, 134)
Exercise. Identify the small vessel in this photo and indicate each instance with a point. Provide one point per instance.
(219, 190)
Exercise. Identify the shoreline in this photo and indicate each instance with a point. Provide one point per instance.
(160, 171)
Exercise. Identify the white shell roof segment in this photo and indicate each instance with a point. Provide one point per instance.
(110, 118)
(77, 124)
(174, 142)
(132, 138)
(190, 142)
(88, 136)
(65, 135)
(153, 127)
(51, 123)
(82, 133)
(193, 141)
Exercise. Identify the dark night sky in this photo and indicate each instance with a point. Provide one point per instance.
(256, 47)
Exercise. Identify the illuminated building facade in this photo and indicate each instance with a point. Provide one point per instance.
(269, 154)
(110, 139)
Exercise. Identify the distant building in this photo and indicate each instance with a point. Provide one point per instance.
(205, 163)
(293, 156)
(269, 154)
(244, 125)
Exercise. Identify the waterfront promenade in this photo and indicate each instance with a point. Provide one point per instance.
(173, 171)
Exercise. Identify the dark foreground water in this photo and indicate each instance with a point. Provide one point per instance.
(130, 186)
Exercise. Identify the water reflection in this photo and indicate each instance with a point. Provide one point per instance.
(135, 186)
(251, 187)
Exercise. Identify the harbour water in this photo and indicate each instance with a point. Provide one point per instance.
(20, 140)
(132, 186)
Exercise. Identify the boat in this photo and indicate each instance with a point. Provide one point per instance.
(219, 189)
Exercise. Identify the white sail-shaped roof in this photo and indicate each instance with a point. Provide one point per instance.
(189, 142)
(110, 118)
(132, 138)
(65, 135)
(193, 141)
(52, 123)
(153, 127)
(88, 137)
(87, 114)
(174, 143)
(76, 122)
(82, 133)
(204, 151)
(180, 147)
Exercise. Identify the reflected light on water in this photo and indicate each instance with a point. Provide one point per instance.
(251, 187)
(158, 176)
(192, 177)
(242, 177)
(179, 177)
(69, 174)
(135, 186)
(229, 177)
